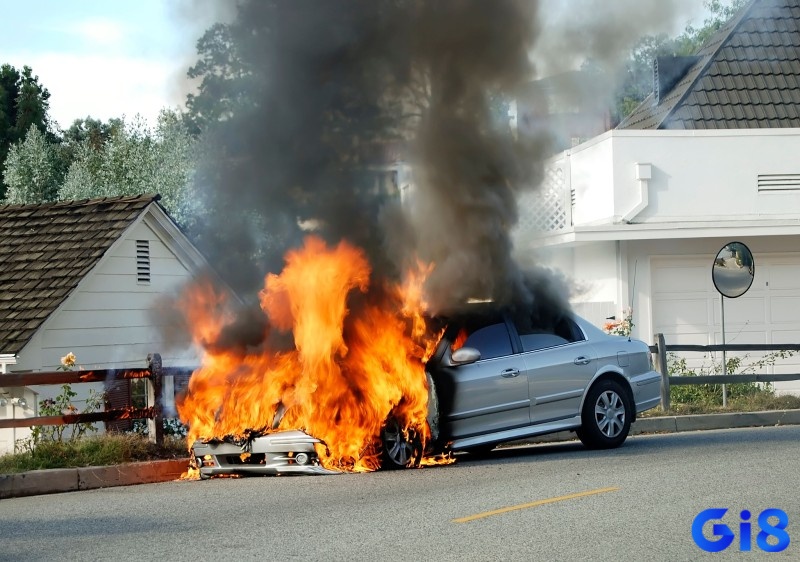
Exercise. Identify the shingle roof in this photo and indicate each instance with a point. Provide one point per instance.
(747, 76)
(45, 250)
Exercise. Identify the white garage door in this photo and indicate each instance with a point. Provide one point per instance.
(686, 308)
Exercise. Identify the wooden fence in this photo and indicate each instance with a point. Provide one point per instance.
(661, 348)
(153, 374)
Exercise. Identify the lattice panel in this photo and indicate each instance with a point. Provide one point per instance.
(544, 210)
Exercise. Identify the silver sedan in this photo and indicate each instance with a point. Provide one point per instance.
(496, 376)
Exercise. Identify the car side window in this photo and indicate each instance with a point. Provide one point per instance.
(532, 342)
(536, 334)
(492, 341)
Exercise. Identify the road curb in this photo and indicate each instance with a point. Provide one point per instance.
(52, 481)
(690, 422)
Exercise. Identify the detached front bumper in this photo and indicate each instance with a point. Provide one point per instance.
(284, 452)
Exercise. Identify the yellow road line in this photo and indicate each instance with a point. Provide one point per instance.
(532, 504)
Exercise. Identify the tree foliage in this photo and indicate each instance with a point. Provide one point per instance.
(33, 170)
(23, 104)
(95, 159)
(129, 158)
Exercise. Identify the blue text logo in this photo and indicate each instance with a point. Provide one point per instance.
(723, 536)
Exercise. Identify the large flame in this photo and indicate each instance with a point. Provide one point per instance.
(349, 370)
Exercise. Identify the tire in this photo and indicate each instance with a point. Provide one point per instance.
(606, 416)
(399, 449)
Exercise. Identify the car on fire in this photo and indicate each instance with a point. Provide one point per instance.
(495, 376)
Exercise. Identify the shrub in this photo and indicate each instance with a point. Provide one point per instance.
(749, 395)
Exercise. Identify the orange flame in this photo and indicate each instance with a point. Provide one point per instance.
(349, 369)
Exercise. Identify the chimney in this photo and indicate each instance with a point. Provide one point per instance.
(667, 71)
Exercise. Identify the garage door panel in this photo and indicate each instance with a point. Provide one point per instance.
(740, 334)
(676, 279)
(783, 276)
(785, 309)
(743, 310)
(685, 312)
(786, 336)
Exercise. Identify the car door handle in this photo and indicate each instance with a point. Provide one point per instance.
(508, 373)
(582, 360)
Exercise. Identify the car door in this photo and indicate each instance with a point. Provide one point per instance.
(559, 363)
(488, 395)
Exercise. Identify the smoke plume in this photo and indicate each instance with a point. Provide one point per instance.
(319, 92)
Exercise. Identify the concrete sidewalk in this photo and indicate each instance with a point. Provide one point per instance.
(53, 481)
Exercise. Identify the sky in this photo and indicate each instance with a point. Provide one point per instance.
(103, 58)
(114, 58)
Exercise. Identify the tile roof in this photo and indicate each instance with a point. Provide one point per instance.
(45, 250)
(747, 76)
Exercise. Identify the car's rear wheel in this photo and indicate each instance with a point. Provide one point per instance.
(606, 416)
(399, 448)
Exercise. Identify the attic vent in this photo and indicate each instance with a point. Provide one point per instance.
(778, 182)
(668, 71)
(143, 261)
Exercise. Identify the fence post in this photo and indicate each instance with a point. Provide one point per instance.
(661, 363)
(155, 425)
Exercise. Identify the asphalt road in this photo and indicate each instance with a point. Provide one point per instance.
(633, 503)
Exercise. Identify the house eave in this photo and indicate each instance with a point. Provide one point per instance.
(669, 230)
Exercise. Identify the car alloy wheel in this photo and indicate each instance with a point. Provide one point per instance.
(609, 413)
(606, 416)
(400, 448)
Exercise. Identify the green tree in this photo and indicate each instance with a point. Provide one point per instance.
(23, 103)
(33, 170)
(225, 88)
(134, 158)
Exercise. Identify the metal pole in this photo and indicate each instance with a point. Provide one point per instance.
(661, 358)
(724, 356)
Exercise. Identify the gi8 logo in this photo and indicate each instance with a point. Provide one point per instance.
(726, 536)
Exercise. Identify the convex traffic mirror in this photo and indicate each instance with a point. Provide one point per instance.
(734, 270)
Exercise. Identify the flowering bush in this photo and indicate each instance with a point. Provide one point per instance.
(67, 362)
(620, 327)
(62, 405)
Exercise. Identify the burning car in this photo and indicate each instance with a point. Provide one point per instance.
(503, 375)
(496, 375)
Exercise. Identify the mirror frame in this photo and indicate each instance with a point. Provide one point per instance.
(741, 247)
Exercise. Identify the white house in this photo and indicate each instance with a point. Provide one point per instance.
(82, 277)
(636, 215)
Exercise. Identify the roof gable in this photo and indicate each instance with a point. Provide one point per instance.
(747, 76)
(45, 251)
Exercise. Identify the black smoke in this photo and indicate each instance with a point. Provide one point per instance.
(315, 93)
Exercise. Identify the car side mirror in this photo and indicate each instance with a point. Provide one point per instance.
(465, 355)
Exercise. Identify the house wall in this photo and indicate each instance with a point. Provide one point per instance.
(108, 320)
(592, 271)
(696, 175)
